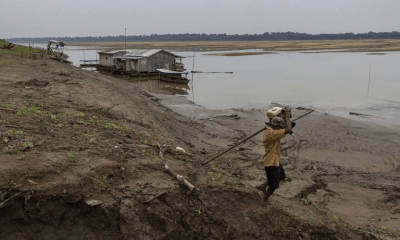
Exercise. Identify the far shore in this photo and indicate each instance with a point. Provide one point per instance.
(343, 45)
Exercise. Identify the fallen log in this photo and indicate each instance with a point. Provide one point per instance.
(303, 108)
(9, 46)
(360, 114)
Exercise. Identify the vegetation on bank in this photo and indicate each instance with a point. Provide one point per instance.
(16, 50)
(219, 37)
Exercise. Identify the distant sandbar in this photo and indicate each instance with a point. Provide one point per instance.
(231, 54)
(370, 45)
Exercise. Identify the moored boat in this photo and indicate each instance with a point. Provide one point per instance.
(173, 76)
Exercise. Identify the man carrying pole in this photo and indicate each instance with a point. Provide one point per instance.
(276, 129)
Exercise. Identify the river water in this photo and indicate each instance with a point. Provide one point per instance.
(334, 82)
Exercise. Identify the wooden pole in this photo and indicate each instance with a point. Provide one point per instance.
(369, 79)
(237, 144)
(193, 77)
(247, 138)
(193, 62)
(179, 178)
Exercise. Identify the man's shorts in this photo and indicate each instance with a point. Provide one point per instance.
(274, 175)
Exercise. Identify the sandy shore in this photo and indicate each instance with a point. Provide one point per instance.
(320, 45)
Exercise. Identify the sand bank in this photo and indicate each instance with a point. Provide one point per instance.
(343, 45)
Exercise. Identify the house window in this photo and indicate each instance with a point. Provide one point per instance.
(106, 58)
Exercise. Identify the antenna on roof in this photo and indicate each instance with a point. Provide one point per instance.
(125, 40)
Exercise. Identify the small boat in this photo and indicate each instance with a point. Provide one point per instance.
(173, 76)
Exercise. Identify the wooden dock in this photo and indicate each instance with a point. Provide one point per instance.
(85, 65)
(89, 63)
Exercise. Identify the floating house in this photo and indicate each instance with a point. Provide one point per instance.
(141, 60)
(106, 59)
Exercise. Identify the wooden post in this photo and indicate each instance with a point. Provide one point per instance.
(180, 178)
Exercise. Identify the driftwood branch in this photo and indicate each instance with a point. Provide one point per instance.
(152, 198)
(7, 109)
(9, 46)
(14, 196)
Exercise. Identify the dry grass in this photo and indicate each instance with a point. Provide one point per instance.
(344, 45)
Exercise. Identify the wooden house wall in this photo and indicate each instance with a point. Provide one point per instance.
(151, 64)
(107, 59)
(162, 60)
(128, 65)
(142, 65)
(132, 65)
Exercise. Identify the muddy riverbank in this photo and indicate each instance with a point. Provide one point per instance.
(347, 167)
(69, 136)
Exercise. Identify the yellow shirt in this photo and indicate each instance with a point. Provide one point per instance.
(272, 142)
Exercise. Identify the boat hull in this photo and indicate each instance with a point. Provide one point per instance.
(175, 80)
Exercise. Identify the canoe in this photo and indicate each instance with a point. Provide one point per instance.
(173, 76)
(170, 72)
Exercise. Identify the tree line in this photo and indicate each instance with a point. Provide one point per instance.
(216, 37)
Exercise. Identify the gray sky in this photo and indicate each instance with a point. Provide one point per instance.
(56, 18)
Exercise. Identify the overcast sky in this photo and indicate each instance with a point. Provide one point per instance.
(57, 18)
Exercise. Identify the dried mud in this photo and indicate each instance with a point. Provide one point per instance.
(68, 135)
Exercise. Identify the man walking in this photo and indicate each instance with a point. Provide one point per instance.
(276, 129)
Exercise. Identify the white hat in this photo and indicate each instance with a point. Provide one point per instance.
(274, 112)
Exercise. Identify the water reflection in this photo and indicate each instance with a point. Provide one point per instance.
(192, 87)
(161, 87)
